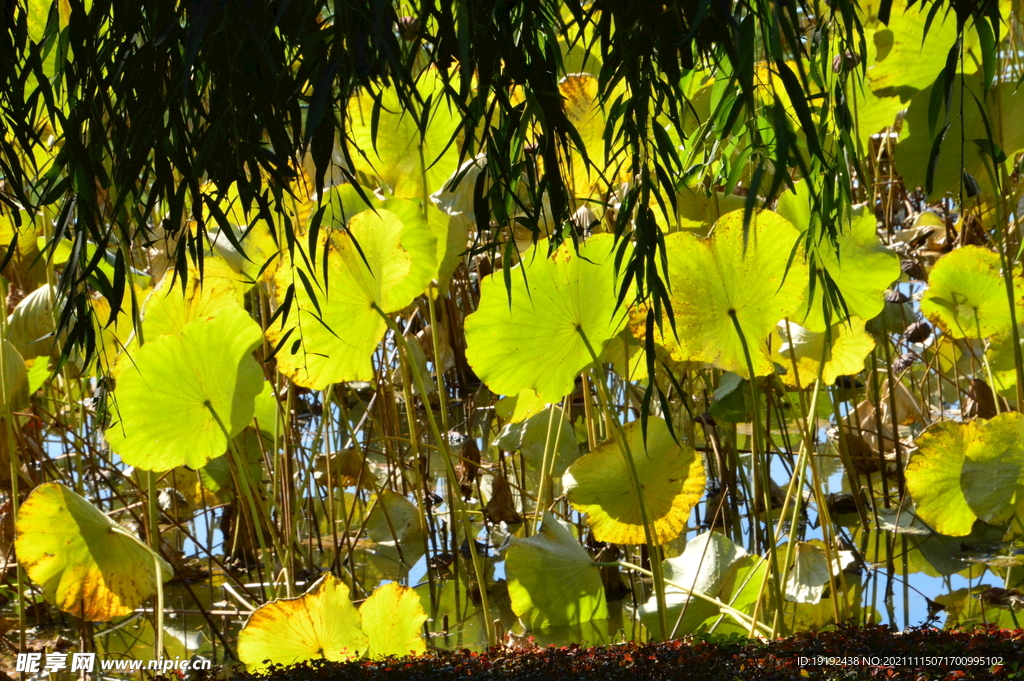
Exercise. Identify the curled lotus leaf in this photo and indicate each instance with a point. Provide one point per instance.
(85, 563)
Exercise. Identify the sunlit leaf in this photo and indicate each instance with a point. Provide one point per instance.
(320, 624)
(966, 294)
(86, 564)
(933, 477)
(335, 344)
(727, 277)
(858, 263)
(392, 619)
(839, 353)
(903, 56)
(556, 300)
(551, 579)
(409, 164)
(965, 145)
(992, 478)
(671, 476)
(186, 394)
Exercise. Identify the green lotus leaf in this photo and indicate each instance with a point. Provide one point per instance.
(905, 55)
(268, 412)
(809, 572)
(392, 619)
(627, 356)
(555, 300)
(933, 477)
(451, 235)
(186, 394)
(30, 328)
(839, 353)
(172, 305)
(518, 408)
(871, 113)
(14, 390)
(551, 579)
(335, 344)
(1002, 360)
(86, 564)
(965, 145)
(531, 437)
(966, 294)
(411, 165)
(671, 475)
(707, 565)
(858, 263)
(320, 624)
(394, 518)
(714, 279)
(992, 478)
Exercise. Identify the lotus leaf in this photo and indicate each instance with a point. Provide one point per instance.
(332, 334)
(733, 275)
(707, 565)
(14, 389)
(551, 579)
(858, 263)
(392, 619)
(964, 145)
(554, 301)
(809, 572)
(966, 294)
(805, 353)
(532, 436)
(320, 624)
(671, 476)
(933, 477)
(912, 49)
(992, 478)
(86, 564)
(410, 162)
(186, 394)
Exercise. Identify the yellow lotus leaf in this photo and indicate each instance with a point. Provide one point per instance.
(840, 352)
(393, 620)
(746, 278)
(671, 477)
(86, 564)
(320, 624)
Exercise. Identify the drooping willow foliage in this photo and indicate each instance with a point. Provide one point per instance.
(115, 115)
